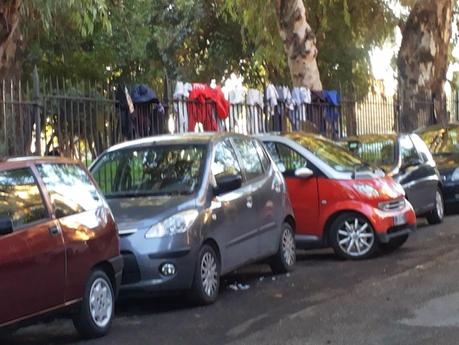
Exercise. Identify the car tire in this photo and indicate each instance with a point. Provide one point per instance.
(206, 281)
(438, 213)
(95, 313)
(285, 258)
(352, 237)
(394, 244)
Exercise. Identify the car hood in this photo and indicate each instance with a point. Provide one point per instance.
(142, 212)
(446, 162)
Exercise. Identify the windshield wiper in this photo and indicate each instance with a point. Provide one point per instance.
(145, 194)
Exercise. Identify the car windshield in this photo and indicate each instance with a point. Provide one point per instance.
(334, 155)
(155, 170)
(442, 140)
(375, 151)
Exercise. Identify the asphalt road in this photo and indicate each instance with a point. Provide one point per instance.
(408, 297)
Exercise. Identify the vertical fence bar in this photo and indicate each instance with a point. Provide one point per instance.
(36, 110)
(5, 120)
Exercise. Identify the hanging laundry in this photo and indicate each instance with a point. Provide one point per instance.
(332, 111)
(237, 118)
(181, 95)
(301, 99)
(333, 100)
(255, 108)
(126, 111)
(205, 106)
(286, 105)
(273, 109)
(149, 112)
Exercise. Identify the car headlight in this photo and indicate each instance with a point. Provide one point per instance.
(455, 175)
(367, 190)
(176, 224)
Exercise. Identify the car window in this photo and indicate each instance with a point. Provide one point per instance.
(286, 158)
(149, 171)
(250, 160)
(266, 162)
(422, 148)
(20, 197)
(337, 157)
(69, 188)
(407, 150)
(377, 151)
(442, 140)
(225, 162)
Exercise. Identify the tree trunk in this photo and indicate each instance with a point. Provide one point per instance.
(423, 62)
(299, 43)
(10, 38)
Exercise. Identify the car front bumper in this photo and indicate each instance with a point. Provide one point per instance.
(385, 226)
(395, 232)
(144, 258)
(451, 195)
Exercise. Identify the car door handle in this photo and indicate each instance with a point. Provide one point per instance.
(249, 202)
(54, 230)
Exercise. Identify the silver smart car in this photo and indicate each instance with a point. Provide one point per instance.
(193, 207)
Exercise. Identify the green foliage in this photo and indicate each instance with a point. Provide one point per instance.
(346, 32)
(114, 41)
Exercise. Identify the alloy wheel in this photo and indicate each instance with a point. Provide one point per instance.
(355, 237)
(101, 302)
(288, 248)
(209, 274)
(439, 205)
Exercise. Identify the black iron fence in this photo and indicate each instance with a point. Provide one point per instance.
(53, 117)
(80, 121)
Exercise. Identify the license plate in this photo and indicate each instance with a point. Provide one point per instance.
(399, 219)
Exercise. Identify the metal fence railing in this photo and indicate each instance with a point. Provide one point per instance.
(80, 121)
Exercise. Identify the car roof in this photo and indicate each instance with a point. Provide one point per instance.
(175, 139)
(290, 135)
(372, 137)
(437, 127)
(18, 162)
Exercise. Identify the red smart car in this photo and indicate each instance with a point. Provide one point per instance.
(339, 201)
(59, 246)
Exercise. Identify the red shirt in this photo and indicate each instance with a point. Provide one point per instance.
(202, 101)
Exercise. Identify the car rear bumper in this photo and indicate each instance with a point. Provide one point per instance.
(117, 264)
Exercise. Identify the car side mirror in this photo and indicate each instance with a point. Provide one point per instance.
(411, 163)
(227, 183)
(6, 226)
(304, 172)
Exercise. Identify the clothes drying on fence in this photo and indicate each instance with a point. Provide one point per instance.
(150, 118)
(272, 97)
(237, 118)
(301, 98)
(255, 104)
(287, 108)
(126, 111)
(205, 106)
(181, 95)
(332, 110)
(333, 100)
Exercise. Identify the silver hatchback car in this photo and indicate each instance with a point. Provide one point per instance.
(193, 207)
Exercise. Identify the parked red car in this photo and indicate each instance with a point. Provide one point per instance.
(339, 201)
(59, 246)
